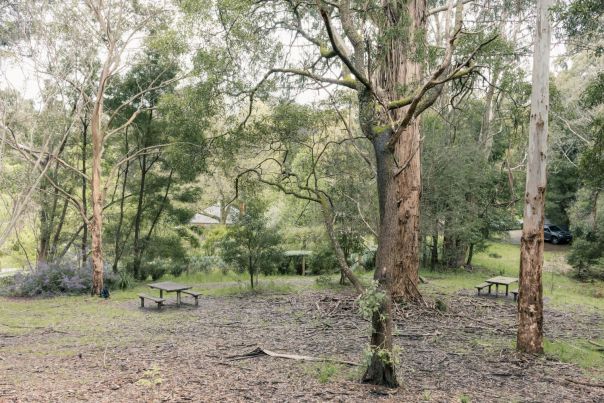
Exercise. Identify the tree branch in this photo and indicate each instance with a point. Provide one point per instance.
(340, 52)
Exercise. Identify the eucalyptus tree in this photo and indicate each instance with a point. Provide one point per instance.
(530, 297)
(112, 26)
(83, 46)
(379, 50)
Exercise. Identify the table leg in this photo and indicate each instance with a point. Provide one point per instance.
(177, 298)
(506, 289)
(497, 289)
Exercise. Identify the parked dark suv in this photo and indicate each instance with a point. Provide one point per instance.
(556, 235)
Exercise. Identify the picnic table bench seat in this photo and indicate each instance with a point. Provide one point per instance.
(482, 286)
(193, 294)
(515, 294)
(158, 301)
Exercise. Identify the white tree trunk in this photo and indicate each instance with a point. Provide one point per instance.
(530, 300)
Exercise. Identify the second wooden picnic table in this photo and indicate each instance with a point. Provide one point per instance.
(169, 286)
(500, 280)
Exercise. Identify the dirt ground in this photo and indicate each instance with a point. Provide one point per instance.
(183, 354)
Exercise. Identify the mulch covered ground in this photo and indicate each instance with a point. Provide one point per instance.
(183, 354)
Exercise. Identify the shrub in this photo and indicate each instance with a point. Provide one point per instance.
(251, 245)
(155, 269)
(177, 268)
(63, 277)
(367, 259)
(585, 257)
(323, 260)
(205, 264)
(212, 239)
(587, 251)
(124, 280)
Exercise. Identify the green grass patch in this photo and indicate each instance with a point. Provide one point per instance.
(502, 259)
(579, 352)
(326, 372)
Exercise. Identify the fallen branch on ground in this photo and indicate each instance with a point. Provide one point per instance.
(259, 351)
(593, 385)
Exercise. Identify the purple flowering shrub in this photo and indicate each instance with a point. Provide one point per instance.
(65, 277)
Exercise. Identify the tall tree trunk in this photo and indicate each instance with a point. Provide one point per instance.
(45, 225)
(407, 184)
(118, 232)
(138, 219)
(470, 255)
(47, 217)
(530, 298)
(96, 188)
(84, 245)
(138, 242)
(250, 265)
(381, 370)
(434, 256)
(224, 211)
(57, 234)
(159, 212)
(402, 67)
(44, 238)
(486, 138)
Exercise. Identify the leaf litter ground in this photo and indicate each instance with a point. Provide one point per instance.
(111, 351)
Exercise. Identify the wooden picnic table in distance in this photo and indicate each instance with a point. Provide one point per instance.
(169, 286)
(503, 281)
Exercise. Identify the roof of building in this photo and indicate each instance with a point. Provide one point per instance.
(210, 216)
(297, 253)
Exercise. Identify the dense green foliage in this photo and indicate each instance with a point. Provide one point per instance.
(183, 130)
(251, 245)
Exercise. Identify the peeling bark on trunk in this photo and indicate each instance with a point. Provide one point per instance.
(399, 184)
(407, 187)
(403, 182)
(530, 297)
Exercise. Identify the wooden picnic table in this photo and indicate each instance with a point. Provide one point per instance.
(500, 280)
(169, 286)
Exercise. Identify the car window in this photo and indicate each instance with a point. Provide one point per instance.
(546, 229)
(554, 228)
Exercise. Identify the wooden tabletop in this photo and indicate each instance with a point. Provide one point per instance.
(502, 280)
(170, 286)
